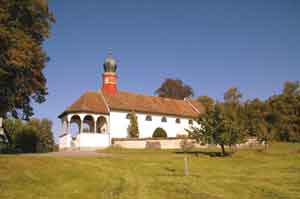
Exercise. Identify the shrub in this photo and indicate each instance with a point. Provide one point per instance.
(28, 137)
(159, 133)
(133, 127)
(26, 140)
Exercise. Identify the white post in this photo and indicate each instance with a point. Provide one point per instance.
(81, 126)
(1, 129)
(95, 123)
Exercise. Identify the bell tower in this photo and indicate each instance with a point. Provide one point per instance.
(109, 77)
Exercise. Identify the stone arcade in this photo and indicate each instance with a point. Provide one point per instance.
(103, 115)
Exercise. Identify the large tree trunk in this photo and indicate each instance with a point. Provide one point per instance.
(223, 149)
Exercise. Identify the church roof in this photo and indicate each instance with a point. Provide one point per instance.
(101, 102)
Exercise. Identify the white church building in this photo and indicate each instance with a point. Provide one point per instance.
(104, 114)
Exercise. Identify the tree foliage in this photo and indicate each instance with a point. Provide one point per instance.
(159, 133)
(232, 96)
(133, 127)
(230, 122)
(285, 109)
(207, 101)
(217, 125)
(24, 25)
(174, 88)
(33, 136)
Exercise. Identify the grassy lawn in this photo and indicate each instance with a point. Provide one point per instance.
(154, 174)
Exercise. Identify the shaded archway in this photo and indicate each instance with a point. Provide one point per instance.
(74, 127)
(88, 124)
(101, 125)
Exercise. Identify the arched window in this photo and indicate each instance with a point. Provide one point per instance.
(190, 122)
(164, 119)
(128, 116)
(75, 125)
(148, 118)
(88, 124)
(177, 120)
(101, 125)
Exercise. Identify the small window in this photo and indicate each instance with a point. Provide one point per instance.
(177, 120)
(148, 118)
(191, 122)
(163, 119)
(128, 116)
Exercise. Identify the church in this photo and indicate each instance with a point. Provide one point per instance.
(104, 115)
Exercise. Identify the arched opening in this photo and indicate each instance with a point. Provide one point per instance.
(159, 133)
(74, 125)
(101, 125)
(88, 124)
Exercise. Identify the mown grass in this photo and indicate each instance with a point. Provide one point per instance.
(155, 174)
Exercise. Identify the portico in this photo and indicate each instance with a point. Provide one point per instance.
(93, 130)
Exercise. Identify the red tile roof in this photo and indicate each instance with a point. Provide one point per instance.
(98, 102)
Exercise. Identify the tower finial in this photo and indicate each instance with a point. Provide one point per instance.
(109, 52)
(109, 76)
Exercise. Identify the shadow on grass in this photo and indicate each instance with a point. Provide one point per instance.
(206, 153)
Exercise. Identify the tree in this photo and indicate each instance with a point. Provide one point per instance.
(207, 101)
(217, 126)
(266, 132)
(291, 88)
(133, 128)
(254, 113)
(26, 140)
(232, 96)
(43, 129)
(174, 88)
(32, 136)
(286, 107)
(24, 25)
(12, 127)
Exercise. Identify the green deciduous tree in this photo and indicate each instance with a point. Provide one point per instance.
(32, 136)
(133, 127)
(43, 129)
(174, 88)
(207, 101)
(218, 126)
(286, 107)
(23, 27)
(232, 96)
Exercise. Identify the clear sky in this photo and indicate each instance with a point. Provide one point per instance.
(211, 45)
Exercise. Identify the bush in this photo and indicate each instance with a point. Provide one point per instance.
(159, 133)
(26, 140)
(133, 127)
(28, 137)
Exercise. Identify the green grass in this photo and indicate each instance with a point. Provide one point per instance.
(154, 174)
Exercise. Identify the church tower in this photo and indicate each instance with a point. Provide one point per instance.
(109, 76)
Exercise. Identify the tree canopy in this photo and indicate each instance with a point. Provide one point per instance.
(207, 101)
(34, 135)
(231, 121)
(174, 88)
(24, 25)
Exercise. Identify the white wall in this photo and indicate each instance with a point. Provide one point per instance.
(65, 141)
(92, 140)
(119, 125)
(163, 143)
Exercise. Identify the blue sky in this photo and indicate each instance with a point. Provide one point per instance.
(210, 45)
